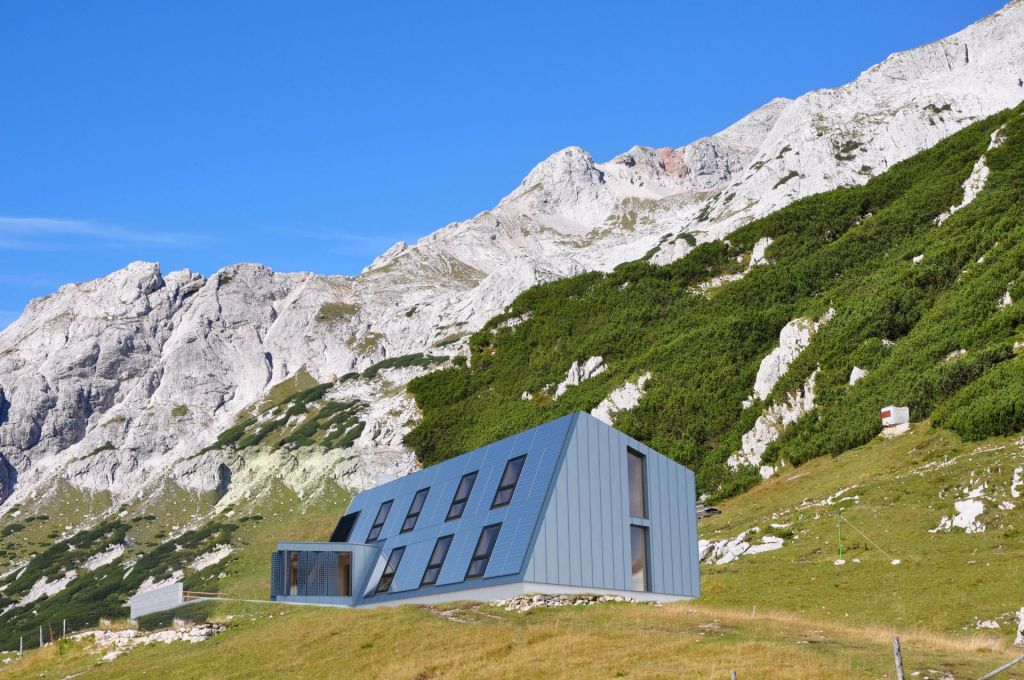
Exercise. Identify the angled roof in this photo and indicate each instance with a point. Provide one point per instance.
(543, 446)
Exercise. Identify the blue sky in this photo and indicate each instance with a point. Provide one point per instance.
(313, 135)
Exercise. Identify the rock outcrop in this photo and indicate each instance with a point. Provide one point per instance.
(115, 383)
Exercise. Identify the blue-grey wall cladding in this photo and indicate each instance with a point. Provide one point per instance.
(543, 447)
(584, 535)
(567, 525)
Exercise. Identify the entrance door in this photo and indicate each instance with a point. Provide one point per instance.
(293, 574)
(345, 574)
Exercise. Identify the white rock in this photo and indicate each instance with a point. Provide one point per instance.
(218, 554)
(579, 372)
(621, 399)
(954, 355)
(45, 587)
(757, 255)
(770, 424)
(159, 364)
(975, 182)
(794, 337)
(966, 514)
(104, 558)
(1019, 641)
(856, 374)
(731, 549)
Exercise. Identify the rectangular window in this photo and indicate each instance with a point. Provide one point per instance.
(507, 485)
(482, 553)
(414, 510)
(638, 543)
(637, 488)
(394, 559)
(345, 574)
(461, 496)
(378, 521)
(436, 561)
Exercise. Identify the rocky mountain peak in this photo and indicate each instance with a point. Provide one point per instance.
(111, 383)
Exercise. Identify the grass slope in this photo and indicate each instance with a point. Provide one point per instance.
(599, 641)
(813, 618)
(896, 492)
(158, 542)
(853, 250)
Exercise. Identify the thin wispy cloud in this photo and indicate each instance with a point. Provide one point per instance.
(46, 233)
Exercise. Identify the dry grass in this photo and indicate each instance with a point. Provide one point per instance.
(469, 641)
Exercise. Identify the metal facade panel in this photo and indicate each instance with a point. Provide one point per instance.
(275, 574)
(583, 539)
(567, 524)
(542, 445)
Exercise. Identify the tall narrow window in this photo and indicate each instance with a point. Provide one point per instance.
(461, 496)
(638, 543)
(414, 510)
(436, 561)
(637, 488)
(482, 553)
(378, 521)
(345, 574)
(293, 573)
(507, 485)
(386, 579)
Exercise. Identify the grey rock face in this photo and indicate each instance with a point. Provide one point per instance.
(116, 383)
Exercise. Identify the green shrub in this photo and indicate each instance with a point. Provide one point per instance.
(850, 249)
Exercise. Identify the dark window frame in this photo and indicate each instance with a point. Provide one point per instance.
(413, 515)
(458, 506)
(631, 455)
(387, 577)
(379, 520)
(435, 563)
(484, 557)
(508, 486)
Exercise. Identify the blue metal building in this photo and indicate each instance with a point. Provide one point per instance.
(571, 506)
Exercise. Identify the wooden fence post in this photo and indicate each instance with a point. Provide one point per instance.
(1005, 666)
(899, 657)
(732, 675)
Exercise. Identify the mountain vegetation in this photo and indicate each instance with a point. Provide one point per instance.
(923, 303)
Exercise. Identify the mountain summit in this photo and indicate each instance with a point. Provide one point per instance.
(122, 382)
